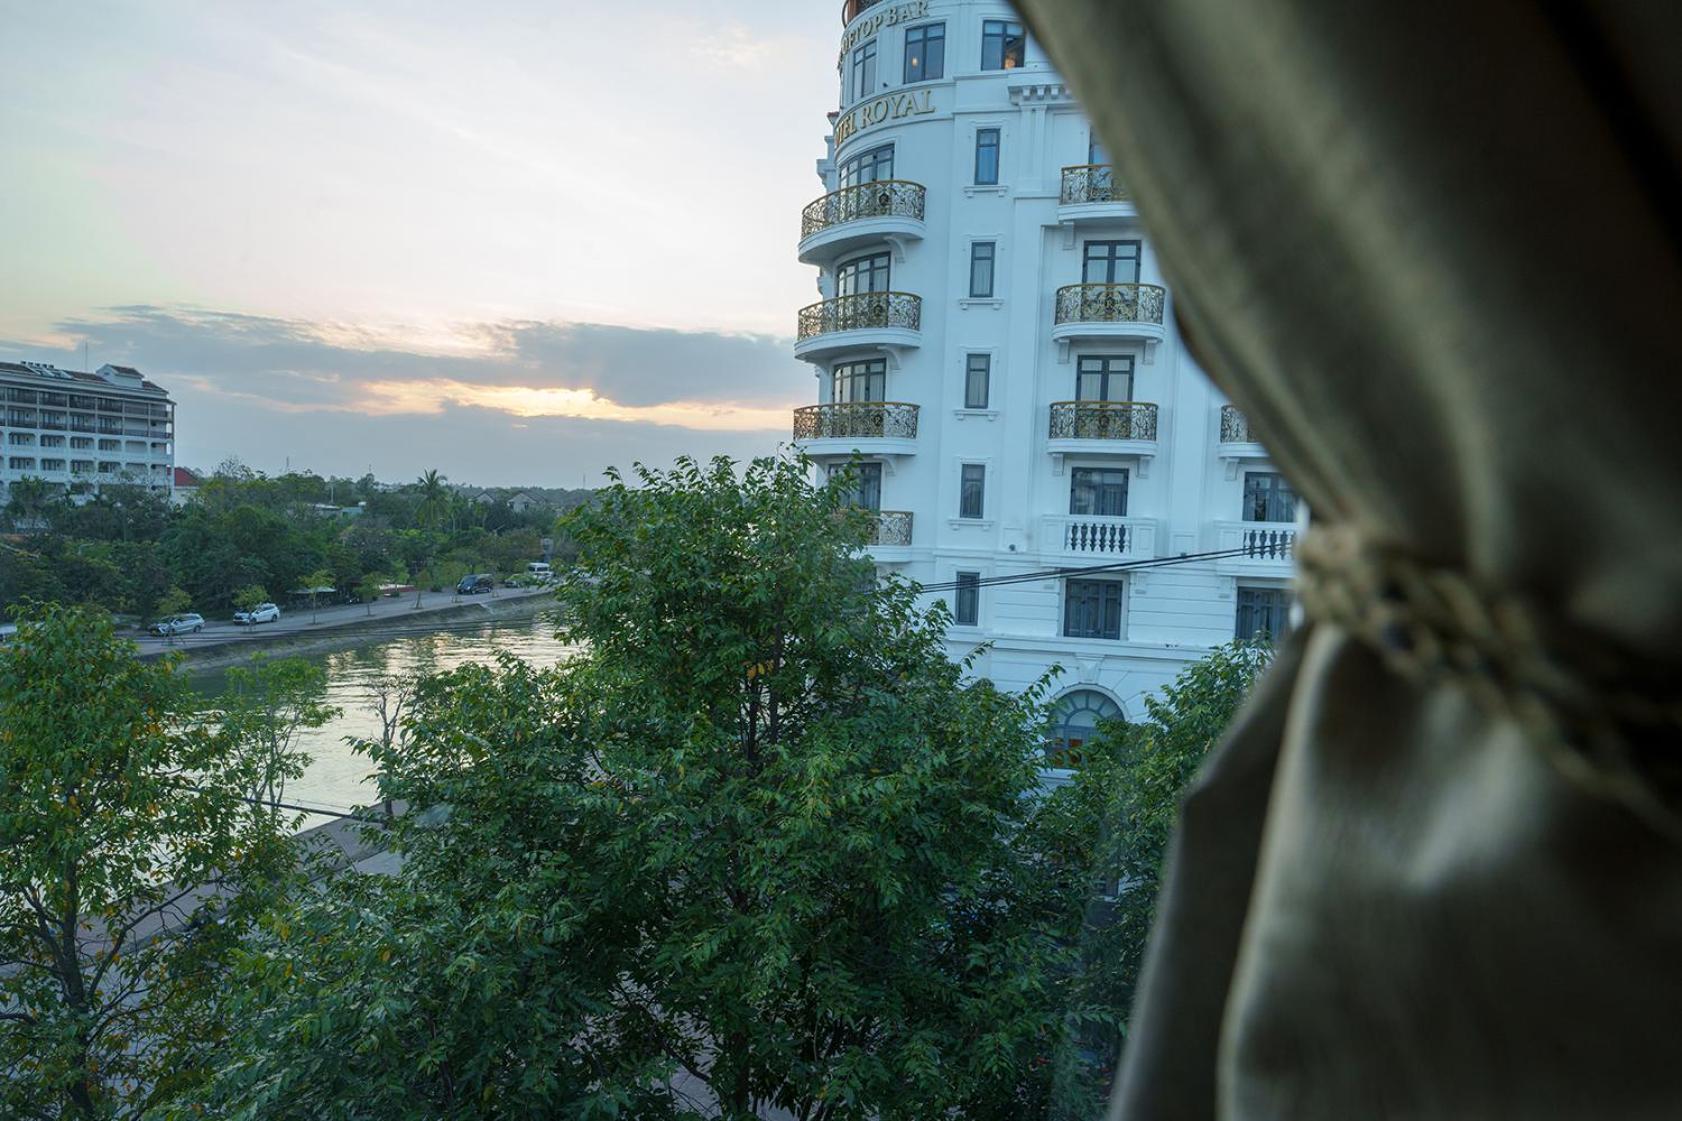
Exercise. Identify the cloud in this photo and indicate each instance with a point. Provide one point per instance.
(522, 367)
(269, 388)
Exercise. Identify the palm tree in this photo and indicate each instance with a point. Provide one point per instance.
(27, 499)
(434, 507)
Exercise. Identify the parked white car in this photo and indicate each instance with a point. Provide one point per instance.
(179, 624)
(262, 613)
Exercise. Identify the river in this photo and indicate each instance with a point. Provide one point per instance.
(338, 778)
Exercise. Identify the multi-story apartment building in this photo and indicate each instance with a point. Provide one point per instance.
(996, 341)
(77, 430)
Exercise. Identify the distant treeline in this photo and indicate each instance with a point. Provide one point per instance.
(129, 550)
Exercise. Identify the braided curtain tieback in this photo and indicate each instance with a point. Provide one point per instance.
(1584, 702)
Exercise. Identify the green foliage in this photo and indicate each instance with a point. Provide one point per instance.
(248, 597)
(174, 602)
(1116, 820)
(123, 547)
(132, 861)
(761, 836)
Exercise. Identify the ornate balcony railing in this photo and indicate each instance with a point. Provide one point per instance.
(1103, 420)
(1092, 182)
(1110, 303)
(893, 527)
(885, 198)
(861, 312)
(886, 419)
(1235, 426)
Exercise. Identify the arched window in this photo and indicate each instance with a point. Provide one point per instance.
(1074, 719)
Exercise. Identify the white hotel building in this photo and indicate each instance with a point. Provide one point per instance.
(996, 342)
(77, 430)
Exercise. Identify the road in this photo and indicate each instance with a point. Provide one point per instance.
(392, 612)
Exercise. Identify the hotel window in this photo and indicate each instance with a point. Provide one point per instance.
(925, 53)
(1098, 491)
(1002, 44)
(859, 381)
(52, 465)
(1095, 153)
(110, 445)
(1104, 377)
(966, 608)
(981, 254)
(21, 463)
(864, 71)
(862, 274)
(868, 167)
(1111, 262)
(866, 488)
(978, 372)
(81, 466)
(972, 490)
(106, 467)
(1268, 498)
(1262, 613)
(987, 157)
(52, 441)
(20, 439)
(1092, 609)
(81, 443)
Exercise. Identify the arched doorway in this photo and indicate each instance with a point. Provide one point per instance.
(1075, 717)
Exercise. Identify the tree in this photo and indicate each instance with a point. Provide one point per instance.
(27, 502)
(173, 602)
(757, 841)
(435, 499)
(132, 863)
(315, 583)
(248, 597)
(1113, 826)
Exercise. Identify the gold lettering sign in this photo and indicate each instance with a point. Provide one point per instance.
(864, 29)
(892, 107)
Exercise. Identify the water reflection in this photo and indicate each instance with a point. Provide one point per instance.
(340, 779)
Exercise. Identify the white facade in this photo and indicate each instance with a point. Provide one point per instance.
(77, 430)
(930, 270)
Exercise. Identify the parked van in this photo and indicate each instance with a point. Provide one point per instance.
(539, 568)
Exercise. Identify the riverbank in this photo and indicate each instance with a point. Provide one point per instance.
(342, 628)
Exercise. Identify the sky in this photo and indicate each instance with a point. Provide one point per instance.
(516, 241)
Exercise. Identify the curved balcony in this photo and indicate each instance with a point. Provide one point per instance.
(852, 9)
(1238, 439)
(890, 320)
(1092, 191)
(1109, 311)
(889, 210)
(1103, 428)
(871, 427)
(892, 532)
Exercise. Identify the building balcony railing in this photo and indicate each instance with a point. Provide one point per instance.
(852, 8)
(892, 529)
(1111, 303)
(1103, 420)
(1261, 547)
(864, 420)
(885, 198)
(1092, 184)
(888, 319)
(1098, 535)
(1235, 426)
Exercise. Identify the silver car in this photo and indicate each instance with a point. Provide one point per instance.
(179, 624)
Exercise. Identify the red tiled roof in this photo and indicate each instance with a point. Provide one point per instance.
(186, 478)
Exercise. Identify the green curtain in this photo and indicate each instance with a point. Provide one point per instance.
(1432, 251)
